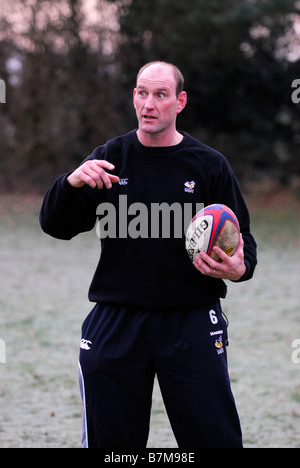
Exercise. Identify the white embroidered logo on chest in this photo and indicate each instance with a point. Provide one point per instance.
(189, 187)
(123, 181)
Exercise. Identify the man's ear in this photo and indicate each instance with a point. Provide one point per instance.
(182, 102)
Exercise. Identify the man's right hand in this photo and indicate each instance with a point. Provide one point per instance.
(92, 173)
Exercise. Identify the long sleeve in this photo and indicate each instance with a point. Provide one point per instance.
(67, 211)
(229, 193)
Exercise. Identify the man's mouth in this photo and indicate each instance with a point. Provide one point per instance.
(149, 117)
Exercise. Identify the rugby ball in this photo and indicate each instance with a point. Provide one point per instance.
(215, 225)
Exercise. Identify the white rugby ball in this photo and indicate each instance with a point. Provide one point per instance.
(215, 225)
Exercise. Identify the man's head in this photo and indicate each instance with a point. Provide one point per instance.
(158, 99)
(177, 74)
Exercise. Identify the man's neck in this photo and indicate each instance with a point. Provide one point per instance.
(159, 140)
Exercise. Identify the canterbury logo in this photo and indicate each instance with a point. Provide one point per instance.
(85, 344)
(123, 181)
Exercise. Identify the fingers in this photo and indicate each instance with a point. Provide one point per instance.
(207, 266)
(113, 178)
(224, 257)
(232, 268)
(92, 173)
(241, 244)
(103, 163)
(95, 175)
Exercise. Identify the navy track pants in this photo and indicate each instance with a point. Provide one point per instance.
(123, 348)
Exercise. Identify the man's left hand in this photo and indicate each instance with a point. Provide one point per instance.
(231, 268)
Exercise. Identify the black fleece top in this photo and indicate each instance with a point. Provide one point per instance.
(151, 270)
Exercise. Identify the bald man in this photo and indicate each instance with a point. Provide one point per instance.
(156, 312)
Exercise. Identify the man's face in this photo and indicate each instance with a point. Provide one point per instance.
(155, 100)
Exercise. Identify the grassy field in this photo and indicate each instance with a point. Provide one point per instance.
(43, 302)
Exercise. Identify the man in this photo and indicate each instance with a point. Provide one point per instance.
(156, 313)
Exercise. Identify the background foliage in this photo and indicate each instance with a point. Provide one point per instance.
(70, 71)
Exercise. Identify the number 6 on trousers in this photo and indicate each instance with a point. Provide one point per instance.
(213, 317)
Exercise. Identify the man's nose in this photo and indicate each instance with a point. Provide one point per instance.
(150, 102)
